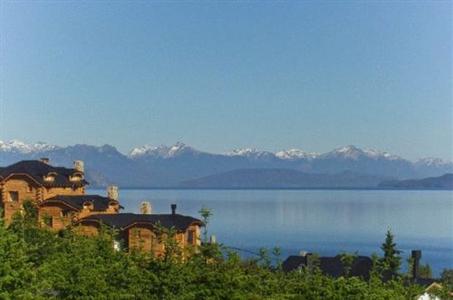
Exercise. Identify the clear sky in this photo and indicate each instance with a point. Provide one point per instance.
(222, 75)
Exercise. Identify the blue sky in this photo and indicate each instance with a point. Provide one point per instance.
(222, 75)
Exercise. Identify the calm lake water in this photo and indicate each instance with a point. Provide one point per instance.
(322, 221)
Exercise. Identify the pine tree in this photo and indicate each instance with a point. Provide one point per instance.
(391, 261)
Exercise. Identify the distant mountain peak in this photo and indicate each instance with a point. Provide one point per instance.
(250, 153)
(293, 154)
(432, 161)
(380, 154)
(161, 151)
(22, 147)
(353, 152)
(242, 152)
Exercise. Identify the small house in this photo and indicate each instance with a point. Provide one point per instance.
(141, 231)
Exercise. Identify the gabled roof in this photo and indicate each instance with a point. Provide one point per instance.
(332, 266)
(100, 203)
(126, 220)
(36, 170)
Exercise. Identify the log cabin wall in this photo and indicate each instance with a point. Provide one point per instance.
(14, 191)
(56, 216)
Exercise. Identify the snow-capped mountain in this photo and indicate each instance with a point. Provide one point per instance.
(293, 154)
(162, 151)
(432, 161)
(380, 154)
(168, 166)
(351, 152)
(250, 153)
(21, 147)
(354, 153)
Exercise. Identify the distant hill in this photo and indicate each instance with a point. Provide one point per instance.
(282, 178)
(168, 166)
(441, 182)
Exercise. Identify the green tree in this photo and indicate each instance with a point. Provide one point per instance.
(447, 278)
(36, 263)
(206, 214)
(17, 275)
(347, 259)
(425, 271)
(391, 262)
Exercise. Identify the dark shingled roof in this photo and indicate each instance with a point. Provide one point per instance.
(100, 203)
(425, 281)
(122, 221)
(332, 266)
(38, 169)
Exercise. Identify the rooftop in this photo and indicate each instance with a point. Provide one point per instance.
(332, 266)
(100, 203)
(125, 220)
(37, 170)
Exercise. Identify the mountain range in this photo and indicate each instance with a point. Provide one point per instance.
(441, 182)
(180, 165)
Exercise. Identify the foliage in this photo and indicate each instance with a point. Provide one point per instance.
(424, 270)
(347, 260)
(391, 261)
(447, 278)
(36, 263)
(205, 214)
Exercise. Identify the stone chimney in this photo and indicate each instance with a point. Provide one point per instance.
(173, 209)
(145, 208)
(416, 256)
(112, 192)
(44, 160)
(79, 166)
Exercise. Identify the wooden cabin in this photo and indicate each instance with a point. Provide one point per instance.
(58, 192)
(61, 211)
(37, 180)
(140, 231)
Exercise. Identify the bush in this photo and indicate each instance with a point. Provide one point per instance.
(36, 263)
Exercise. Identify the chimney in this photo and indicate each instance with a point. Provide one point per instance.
(416, 256)
(44, 160)
(79, 166)
(112, 192)
(145, 208)
(173, 209)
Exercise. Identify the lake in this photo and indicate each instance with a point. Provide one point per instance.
(322, 221)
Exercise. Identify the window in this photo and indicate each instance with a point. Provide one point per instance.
(66, 213)
(14, 196)
(47, 220)
(191, 237)
(49, 178)
(74, 178)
